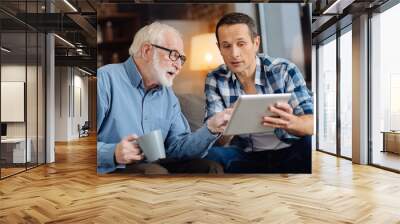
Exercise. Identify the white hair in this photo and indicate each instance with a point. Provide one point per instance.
(152, 33)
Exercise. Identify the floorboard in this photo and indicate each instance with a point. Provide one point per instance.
(70, 191)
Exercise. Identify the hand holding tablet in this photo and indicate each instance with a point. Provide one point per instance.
(248, 113)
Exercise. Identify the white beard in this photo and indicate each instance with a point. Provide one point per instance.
(160, 74)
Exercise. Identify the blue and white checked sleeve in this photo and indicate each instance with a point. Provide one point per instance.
(214, 101)
(301, 100)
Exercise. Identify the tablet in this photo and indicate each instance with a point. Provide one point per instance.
(249, 110)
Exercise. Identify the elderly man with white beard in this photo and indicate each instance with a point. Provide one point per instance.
(135, 97)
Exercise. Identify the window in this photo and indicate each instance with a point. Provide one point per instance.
(385, 88)
(22, 67)
(346, 93)
(327, 95)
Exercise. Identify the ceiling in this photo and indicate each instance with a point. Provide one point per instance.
(75, 21)
(76, 25)
(330, 16)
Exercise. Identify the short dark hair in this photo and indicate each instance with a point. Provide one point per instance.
(237, 18)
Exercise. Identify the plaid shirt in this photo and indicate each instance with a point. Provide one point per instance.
(273, 75)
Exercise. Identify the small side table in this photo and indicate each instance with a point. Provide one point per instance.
(391, 141)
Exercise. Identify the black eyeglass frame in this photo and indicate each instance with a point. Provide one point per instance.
(171, 55)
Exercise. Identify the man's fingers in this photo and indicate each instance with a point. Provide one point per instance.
(228, 110)
(130, 138)
(223, 119)
(281, 113)
(132, 158)
(218, 122)
(275, 121)
(284, 106)
(128, 151)
(272, 125)
(226, 118)
(131, 148)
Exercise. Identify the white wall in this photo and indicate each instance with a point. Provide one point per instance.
(69, 85)
(80, 102)
(12, 73)
(61, 103)
(33, 127)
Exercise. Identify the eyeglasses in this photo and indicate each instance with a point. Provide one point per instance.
(173, 54)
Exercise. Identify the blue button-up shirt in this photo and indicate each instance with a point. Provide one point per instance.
(124, 107)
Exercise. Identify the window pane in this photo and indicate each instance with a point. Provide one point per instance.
(385, 86)
(327, 96)
(346, 94)
(41, 98)
(15, 150)
(31, 99)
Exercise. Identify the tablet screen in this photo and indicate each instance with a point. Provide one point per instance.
(249, 110)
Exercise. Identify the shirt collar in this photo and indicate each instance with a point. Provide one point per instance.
(259, 80)
(133, 73)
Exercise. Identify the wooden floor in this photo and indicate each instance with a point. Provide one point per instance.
(70, 191)
(5, 172)
(386, 159)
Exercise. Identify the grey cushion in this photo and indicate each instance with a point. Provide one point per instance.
(193, 107)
